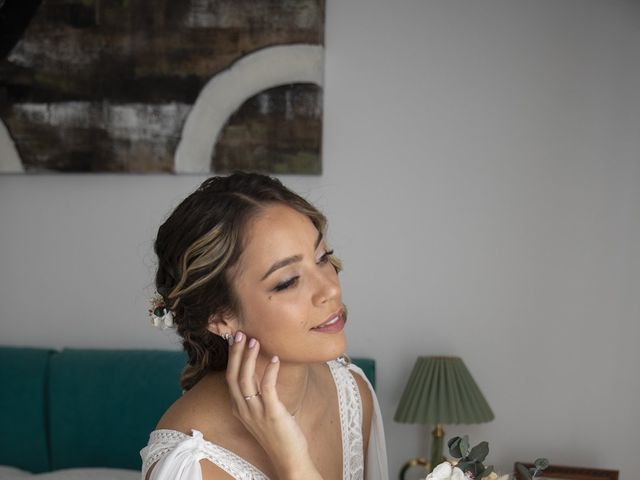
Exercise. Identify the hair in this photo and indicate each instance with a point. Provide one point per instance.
(198, 245)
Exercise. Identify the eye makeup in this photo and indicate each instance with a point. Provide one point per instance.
(294, 280)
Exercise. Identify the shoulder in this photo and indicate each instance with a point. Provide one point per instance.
(200, 408)
(200, 413)
(365, 393)
(354, 372)
(190, 458)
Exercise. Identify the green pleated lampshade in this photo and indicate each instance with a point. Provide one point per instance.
(441, 390)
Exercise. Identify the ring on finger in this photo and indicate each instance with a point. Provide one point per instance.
(249, 397)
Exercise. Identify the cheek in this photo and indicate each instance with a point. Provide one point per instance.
(273, 313)
(333, 276)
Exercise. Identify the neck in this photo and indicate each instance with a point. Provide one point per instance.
(294, 381)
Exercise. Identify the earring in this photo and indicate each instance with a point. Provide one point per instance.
(227, 336)
(344, 359)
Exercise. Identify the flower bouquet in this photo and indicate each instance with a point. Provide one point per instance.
(467, 464)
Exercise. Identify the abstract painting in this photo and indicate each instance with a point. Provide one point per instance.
(140, 86)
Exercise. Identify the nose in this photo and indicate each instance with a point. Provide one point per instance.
(327, 287)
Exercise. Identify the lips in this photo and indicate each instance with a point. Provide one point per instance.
(335, 323)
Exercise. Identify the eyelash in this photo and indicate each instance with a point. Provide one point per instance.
(292, 281)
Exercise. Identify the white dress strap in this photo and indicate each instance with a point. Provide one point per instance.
(377, 468)
(178, 456)
(350, 405)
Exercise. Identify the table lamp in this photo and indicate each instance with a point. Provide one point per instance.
(440, 390)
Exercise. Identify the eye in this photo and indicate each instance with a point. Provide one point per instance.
(286, 284)
(294, 280)
(325, 257)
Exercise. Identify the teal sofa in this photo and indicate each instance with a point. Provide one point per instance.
(86, 409)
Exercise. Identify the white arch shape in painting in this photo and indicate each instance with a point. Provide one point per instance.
(9, 158)
(228, 90)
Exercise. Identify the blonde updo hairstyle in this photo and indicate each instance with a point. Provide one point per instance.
(197, 245)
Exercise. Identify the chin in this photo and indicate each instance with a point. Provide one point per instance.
(319, 353)
(336, 349)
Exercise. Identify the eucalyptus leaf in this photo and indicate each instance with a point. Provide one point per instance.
(464, 466)
(476, 468)
(541, 463)
(479, 452)
(464, 445)
(454, 447)
(523, 471)
(487, 471)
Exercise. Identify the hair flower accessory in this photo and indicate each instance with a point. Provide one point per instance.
(161, 316)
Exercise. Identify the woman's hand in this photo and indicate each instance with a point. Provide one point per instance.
(256, 404)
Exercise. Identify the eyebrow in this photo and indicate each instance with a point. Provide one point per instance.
(289, 260)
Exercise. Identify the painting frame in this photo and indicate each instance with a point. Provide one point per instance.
(212, 86)
(553, 472)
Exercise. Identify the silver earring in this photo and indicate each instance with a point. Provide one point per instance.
(226, 336)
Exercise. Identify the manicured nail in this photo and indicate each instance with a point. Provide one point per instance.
(252, 343)
(238, 337)
(275, 359)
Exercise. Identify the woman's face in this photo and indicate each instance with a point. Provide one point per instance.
(289, 292)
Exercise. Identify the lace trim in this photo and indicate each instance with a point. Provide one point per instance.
(162, 442)
(350, 405)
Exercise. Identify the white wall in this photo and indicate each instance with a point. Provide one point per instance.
(482, 181)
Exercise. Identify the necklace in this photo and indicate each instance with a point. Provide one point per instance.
(304, 394)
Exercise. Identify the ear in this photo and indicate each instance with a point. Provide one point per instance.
(222, 322)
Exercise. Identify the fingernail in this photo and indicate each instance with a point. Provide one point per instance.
(275, 359)
(252, 343)
(238, 337)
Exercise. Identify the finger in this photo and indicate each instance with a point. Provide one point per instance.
(233, 368)
(269, 383)
(247, 377)
(235, 355)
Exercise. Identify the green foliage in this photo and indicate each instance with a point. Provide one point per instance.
(464, 445)
(541, 463)
(454, 447)
(531, 473)
(479, 452)
(470, 460)
(523, 471)
(487, 471)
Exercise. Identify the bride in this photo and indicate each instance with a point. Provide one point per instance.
(247, 278)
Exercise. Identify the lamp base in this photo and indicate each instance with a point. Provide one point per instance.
(436, 446)
(436, 454)
(414, 462)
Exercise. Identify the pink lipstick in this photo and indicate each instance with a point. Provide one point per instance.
(334, 324)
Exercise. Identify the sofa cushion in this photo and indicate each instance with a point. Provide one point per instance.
(368, 366)
(23, 436)
(104, 403)
(8, 473)
(13, 473)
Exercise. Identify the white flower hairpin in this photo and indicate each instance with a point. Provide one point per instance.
(161, 316)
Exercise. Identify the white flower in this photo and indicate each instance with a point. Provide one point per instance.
(162, 322)
(168, 319)
(458, 474)
(445, 471)
(441, 472)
